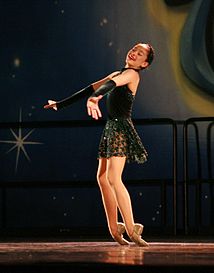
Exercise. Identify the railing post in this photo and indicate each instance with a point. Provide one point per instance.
(175, 177)
(185, 188)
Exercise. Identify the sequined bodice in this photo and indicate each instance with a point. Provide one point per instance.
(119, 102)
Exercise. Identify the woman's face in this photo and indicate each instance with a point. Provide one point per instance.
(137, 56)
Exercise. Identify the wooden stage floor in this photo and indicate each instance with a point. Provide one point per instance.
(109, 257)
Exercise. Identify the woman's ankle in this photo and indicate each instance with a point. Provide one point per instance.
(130, 229)
(113, 230)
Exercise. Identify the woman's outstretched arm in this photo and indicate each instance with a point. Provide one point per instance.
(85, 92)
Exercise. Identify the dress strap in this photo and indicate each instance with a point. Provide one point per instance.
(125, 68)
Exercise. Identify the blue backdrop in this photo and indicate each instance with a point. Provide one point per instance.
(50, 49)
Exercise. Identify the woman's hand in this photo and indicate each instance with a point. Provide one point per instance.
(93, 107)
(51, 104)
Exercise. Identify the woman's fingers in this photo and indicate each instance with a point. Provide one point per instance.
(89, 110)
(47, 106)
(99, 113)
(94, 112)
(51, 104)
(93, 107)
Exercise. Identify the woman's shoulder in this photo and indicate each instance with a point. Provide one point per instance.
(130, 71)
(133, 74)
(114, 74)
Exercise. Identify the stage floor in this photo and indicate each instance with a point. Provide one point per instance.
(106, 257)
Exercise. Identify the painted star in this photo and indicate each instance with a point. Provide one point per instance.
(19, 142)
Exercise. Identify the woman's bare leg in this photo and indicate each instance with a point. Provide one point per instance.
(108, 197)
(114, 195)
(115, 166)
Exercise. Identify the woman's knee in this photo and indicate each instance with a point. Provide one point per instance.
(112, 178)
(114, 170)
(101, 178)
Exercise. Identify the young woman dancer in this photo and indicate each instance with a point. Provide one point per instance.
(120, 141)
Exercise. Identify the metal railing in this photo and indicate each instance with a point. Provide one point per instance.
(144, 122)
(88, 123)
(193, 122)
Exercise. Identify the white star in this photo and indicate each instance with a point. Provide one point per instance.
(19, 142)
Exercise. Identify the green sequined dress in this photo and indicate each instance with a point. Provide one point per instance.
(119, 136)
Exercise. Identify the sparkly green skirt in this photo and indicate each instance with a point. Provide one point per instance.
(120, 138)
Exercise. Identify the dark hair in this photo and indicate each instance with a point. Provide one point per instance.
(151, 54)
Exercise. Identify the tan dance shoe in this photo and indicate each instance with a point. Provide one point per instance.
(118, 237)
(136, 235)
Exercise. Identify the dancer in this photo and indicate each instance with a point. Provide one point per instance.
(120, 141)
